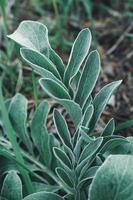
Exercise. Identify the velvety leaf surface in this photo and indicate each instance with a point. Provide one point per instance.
(36, 58)
(79, 51)
(43, 196)
(62, 128)
(60, 96)
(101, 100)
(18, 117)
(88, 78)
(38, 69)
(33, 35)
(12, 187)
(113, 181)
(109, 128)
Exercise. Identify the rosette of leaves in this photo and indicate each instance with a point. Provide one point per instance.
(62, 165)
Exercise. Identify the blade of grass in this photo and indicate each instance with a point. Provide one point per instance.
(12, 138)
(124, 125)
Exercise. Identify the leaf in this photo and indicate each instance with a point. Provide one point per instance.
(64, 177)
(87, 103)
(41, 71)
(113, 180)
(109, 128)
(39, 132)
(39, 122)
(87, 175)
(12, 187)
(62, 157)
(88, 152)
(71, 107)
(91, 148)
(54, 89)
(88, 78)
(62, 129)
(101, 100)
(112, 143)
(33, 35)
(18, 117)
(39, 187)
(125, 148)
(43, 196)
(39, 59)
(54, 57)
(79, 52)
(87, 116)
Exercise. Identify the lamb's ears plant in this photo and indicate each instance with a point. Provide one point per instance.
(70, 164)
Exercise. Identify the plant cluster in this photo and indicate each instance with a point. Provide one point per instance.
(38, 164)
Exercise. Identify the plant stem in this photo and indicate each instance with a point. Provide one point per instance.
(12, 137)
(35, 92)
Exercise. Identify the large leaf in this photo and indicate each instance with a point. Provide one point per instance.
(113, 181)
(88, 78)
(62, 129)
(79, 51)
(62, 97)
(39, 59)
(12, 187)
(34, 35)
(18, 116)
(43, 196)
(101, 100)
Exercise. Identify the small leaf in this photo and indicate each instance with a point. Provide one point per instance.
(39, 187)
(87, 116)
(88, 152)
(18, 117)
(12, 187)
(109, 129)
(71, 107)
(87, 103)
(79, 51)
(88, 78)
(91, 148)
(65, 178)
(112, 143)
(87, 175)
(43, 196)
(113, 180)
(62, 129)
(62, 157)
(101, 100)
(54, 89)
(125, 148)
(54, 57)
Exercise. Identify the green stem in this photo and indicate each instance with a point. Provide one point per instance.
(12, 137)
(35, 91)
